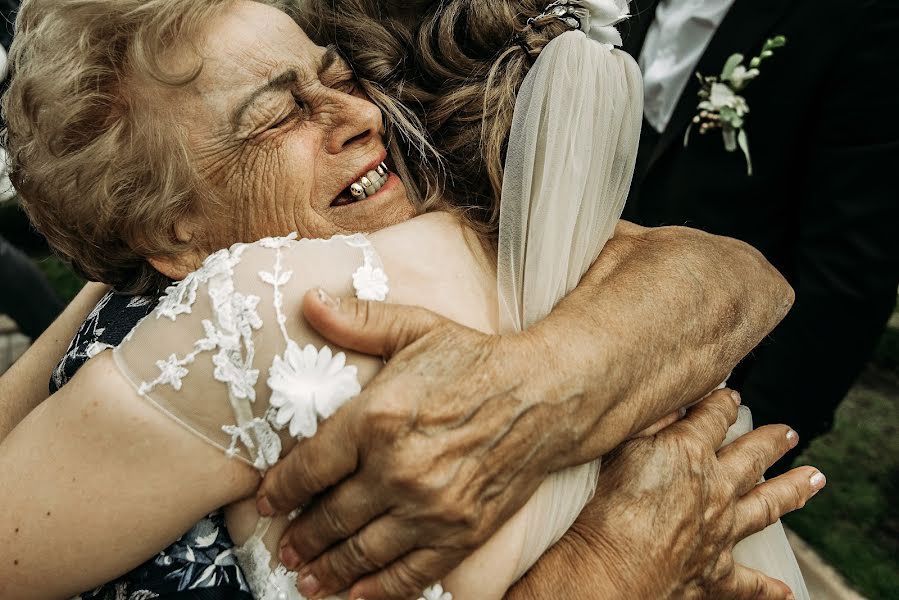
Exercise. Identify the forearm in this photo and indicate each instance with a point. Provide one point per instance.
(25, 384)
(659, 321)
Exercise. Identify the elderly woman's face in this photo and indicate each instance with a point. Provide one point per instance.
(280, 131)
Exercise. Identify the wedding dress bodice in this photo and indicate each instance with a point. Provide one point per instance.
(240, 368)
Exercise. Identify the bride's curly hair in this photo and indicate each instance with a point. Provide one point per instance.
(458, 66)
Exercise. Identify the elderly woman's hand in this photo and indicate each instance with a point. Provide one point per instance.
(419, 471)
(668, 511)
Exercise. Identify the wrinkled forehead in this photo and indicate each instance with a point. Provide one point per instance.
(249, 43)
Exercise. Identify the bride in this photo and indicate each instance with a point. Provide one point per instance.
(218, 383)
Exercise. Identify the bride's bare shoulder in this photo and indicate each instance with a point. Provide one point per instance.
(438, 262)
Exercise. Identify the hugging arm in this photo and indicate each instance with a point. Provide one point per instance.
(24, 385)
(659, 320)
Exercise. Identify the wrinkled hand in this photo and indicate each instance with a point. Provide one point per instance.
(669, 509)
(416, 473)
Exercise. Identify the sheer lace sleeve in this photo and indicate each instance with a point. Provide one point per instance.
(227, 355)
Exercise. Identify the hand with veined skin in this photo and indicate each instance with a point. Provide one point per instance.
(668, 511)
(453, 436)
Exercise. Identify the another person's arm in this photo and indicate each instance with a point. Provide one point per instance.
(666, 540)
(25, 384)
(659, 321)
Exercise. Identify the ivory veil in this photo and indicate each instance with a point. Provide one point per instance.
(571, 158)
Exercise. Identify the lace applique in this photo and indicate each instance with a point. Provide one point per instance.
(266, 584)
(435, 593)
(308, 385)
(180, 298)
(256, 434)
(370, 281)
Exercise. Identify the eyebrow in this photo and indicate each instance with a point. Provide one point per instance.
(283, 81)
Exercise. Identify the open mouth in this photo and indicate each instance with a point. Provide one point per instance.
(365, 187)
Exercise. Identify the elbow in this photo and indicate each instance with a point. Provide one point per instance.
(737, 277)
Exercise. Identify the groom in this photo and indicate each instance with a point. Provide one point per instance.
(822, 204)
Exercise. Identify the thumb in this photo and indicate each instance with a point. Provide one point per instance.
(373, 328)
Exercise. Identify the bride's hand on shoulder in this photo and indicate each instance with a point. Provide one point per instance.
(669, 509)
(416, 473)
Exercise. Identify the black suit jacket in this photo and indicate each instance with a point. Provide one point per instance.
(822, 205)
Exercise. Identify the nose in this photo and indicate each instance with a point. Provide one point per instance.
(357, 121)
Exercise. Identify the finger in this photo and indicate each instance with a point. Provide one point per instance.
(314, 465)
(749, 584)
(749, 456)
(660, 425)
(708, 420)
(332, 517)
(408, 577)
(370, 327)
(771, 500)
(378, 545)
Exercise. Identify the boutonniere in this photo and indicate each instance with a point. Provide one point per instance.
(722, 107)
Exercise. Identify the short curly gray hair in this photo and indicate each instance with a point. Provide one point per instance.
(95, 169)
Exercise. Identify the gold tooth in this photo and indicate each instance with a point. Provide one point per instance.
(380, 170)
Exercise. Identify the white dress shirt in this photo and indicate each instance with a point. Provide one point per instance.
(675, 42)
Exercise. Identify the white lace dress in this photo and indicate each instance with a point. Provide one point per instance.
(249, 394)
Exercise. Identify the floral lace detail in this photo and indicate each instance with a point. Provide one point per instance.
(370, 281)
(266, 583)
(308, 385)
(435, 593)
(255, 435)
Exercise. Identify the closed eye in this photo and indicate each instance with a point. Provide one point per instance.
(299, 107)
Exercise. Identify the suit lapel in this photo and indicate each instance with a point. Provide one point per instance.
(745, 28)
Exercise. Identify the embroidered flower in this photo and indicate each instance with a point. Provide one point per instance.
(309, 384)
(370, 283)
(604, 16)
(171, 372)
(230, 369)
(436, 593)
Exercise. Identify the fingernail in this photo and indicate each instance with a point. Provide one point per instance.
(308, 585)
(289, 558)
(264, 507)
(818, 481)
(738, 400)
(793, 438)
(327, 300)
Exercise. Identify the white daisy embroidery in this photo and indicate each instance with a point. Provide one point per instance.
(370, 283)
(308, 385)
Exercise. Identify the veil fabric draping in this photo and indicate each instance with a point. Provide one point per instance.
(572, 151)
(571, 157)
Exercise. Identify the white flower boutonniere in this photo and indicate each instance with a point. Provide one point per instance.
(722, 107)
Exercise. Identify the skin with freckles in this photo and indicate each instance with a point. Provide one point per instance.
(279, 131)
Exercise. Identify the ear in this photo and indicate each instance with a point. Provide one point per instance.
(180, 266)
(175, 268)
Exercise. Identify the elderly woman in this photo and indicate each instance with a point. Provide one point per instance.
(174, 157)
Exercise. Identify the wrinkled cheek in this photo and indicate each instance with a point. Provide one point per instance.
(259, 212)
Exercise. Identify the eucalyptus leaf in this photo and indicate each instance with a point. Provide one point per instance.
(730, 139)
(743, 141)
(730, 65)
(687, 135)
(755, 63)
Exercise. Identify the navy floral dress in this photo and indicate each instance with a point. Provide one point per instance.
(201, 565)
